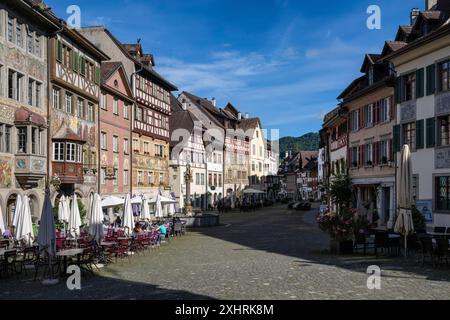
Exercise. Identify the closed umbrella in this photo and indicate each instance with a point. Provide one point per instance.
(96, 219)
(17, 209)
(159, 210)
(404, 224)
(145, 212)
(128, 219)
(24, 225)
(2, 223)
(47, 234)
(63, 213)
(74, 219)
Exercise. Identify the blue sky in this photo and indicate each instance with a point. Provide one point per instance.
(285, 61)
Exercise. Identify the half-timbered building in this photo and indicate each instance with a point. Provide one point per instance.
(150, 116)
(74, 97)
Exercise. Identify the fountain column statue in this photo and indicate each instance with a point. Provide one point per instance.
(188, 210)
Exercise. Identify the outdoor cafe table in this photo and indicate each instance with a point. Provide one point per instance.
(437, 234)
(391, 236)
(69, 254)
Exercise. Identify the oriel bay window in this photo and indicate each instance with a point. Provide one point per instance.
(30, 139)
(68, 152)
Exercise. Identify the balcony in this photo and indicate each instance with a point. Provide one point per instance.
(30, 169)
(341, 142)
(69, 173)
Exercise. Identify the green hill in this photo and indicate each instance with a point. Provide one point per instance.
(307, 142)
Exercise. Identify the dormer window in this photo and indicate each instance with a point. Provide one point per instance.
(370, 75)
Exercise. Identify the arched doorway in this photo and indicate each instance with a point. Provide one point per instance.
(34, 208)
(10, 209)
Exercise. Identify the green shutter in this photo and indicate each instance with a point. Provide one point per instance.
(396, 138)
(431, 79)
(76, 62)
(82, 66)
(419, 134)
(59, 50)
(431, 133)
(97, 75)
(398, 90)
(420, 83)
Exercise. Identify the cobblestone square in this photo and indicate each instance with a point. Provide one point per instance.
(270, 254)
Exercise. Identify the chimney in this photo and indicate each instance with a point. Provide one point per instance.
(414, 15)
(214, 102)
(239, 116)
(429, 4)
(184, 106)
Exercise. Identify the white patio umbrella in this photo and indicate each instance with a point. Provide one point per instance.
(172, 206)
(96, 219)
(128, 219)
(63, 210)
(404, 224)
(74, 219)
(17, 209)
(145, 212)
(2, 222)
(112, 201)
(24, 225)
(159, 213)
(137, 200)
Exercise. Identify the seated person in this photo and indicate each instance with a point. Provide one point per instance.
(8, 234)
(137, 230)
(162, 232)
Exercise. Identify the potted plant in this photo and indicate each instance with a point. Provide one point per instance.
(369, 163)
(341, 228)
(384, 160)
(339, 224)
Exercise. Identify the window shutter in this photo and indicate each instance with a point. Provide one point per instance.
(375, 153)
(396, 138)
(398, 90)
(75, 61)
(390, 151)
(82, 66)
(419, 134)
(431, 133)
(350, 156)
(431, 79)
(59, 50)
(97, 75)
(376, 113)
(361, 156)
(361, 118)
(392, 109)
(420, 83)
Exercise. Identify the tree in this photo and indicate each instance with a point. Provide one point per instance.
(341, 191)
